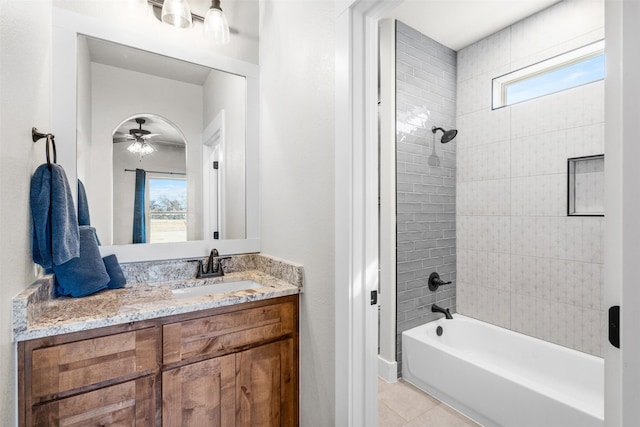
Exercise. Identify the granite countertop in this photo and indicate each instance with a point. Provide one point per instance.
(147, 295)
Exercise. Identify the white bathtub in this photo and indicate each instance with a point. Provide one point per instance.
(502, 378)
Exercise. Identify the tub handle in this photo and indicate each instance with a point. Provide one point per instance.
(435, 281)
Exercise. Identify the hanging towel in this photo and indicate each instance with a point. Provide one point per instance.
(115, 272)
(86, 274)
(54, 227)
(83, 206)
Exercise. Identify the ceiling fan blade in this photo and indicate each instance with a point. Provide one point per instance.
(118, 140)
(150, 135)
(122, 135)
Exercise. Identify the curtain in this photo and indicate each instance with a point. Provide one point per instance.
(83, 206)
(139, 227)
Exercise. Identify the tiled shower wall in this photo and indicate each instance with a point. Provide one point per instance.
(522, 263)
(425, 180)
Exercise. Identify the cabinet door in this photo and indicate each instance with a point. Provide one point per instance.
(267, 385)
(132, 403)
(200, 394)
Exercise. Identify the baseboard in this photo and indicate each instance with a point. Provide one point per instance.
(388, 371)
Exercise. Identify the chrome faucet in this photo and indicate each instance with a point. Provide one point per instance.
(213, 267)
(438, 309)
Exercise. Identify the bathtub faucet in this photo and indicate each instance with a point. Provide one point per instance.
(437, 309)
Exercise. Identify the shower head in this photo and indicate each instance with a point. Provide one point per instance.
(447, 135)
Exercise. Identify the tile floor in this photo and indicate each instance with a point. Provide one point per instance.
(400, 404)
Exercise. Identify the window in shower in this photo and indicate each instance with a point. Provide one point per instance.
(575, 68)
(585, 186)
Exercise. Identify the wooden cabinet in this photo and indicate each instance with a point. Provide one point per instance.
(95, 378)
(131, 403)
(235, 365)
(266, 389)
(249, 375)
(200, 394)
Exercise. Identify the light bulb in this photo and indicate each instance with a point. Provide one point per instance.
(177, 13)
(215, 25)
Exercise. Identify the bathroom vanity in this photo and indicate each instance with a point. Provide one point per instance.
(225, 359)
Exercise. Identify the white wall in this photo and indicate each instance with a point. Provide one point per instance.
(522, 263)
(297, 140)
(229, 92)
(25, 101)
(117, 95)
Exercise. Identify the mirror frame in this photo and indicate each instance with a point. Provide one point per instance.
(67, 25)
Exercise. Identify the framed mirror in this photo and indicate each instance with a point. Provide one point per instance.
(196, 116)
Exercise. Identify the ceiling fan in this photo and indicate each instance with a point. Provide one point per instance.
(139, 137)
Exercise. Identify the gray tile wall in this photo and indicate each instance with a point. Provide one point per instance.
(426, 178)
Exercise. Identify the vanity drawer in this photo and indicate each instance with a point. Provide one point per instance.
(132, 403)
(216, 335)
(79, 365)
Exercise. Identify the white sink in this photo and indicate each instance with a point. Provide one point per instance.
(216, 288)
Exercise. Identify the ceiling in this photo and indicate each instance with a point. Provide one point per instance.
(129, 58)
(459, 23)
(167, 133)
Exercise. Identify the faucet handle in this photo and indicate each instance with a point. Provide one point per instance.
(200, 270)
(435, 281)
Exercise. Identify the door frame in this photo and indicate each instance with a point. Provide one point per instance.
(213, 145)
(356, 210)
(622, 204)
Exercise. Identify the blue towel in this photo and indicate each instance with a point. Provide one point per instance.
(54, 228)
(86, 274)
(83, 206)
(115, 272)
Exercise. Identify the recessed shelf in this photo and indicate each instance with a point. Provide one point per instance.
(585, 180)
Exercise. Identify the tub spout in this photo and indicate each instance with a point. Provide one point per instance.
(437, 309)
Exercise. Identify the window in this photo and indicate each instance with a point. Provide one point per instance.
(566, 71)
(167, 210)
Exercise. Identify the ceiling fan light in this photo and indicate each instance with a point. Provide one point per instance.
(177, 13)
(216, 26)
(147, 149)
(135, 148)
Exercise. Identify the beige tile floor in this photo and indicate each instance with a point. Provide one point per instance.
(400, 404)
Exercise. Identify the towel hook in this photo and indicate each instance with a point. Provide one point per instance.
(36, 136)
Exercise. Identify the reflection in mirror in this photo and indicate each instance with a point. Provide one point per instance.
(149, 182)
(197, 118)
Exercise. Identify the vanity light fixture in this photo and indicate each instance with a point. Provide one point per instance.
(178, 13)
(215, 23)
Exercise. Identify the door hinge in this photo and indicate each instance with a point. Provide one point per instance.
(374, 297)
(614, 326)
(215, 164)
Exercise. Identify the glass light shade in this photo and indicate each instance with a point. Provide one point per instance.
(216, 26)
(141, 147)
(147, 149)
(135, 147)
(177, 13)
